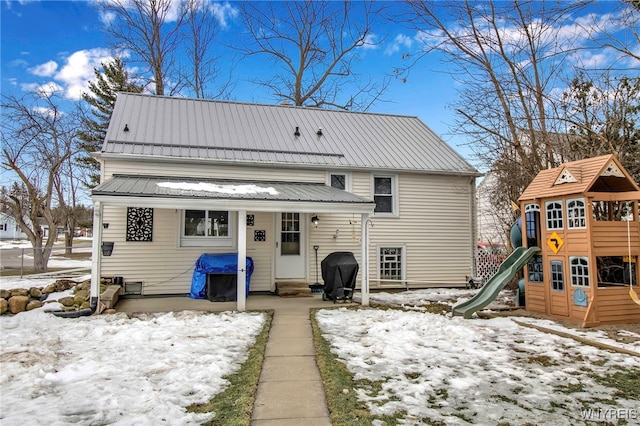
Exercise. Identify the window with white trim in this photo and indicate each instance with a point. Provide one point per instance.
(391, 263)
(557, 275)
(206, 228)
(576, 214)
(554, 214)
(383, 194)
(579, 271)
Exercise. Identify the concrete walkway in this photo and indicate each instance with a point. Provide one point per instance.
(290, 390)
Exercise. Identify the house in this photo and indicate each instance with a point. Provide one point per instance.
(182, 177)
(9, 228)
(584, 217)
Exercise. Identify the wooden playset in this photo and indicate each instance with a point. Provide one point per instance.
(584, 216)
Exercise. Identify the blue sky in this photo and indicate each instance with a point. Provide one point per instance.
(61, 42)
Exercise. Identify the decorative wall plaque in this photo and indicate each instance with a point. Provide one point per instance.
(259, 235)
(139, 224)
(250, 219)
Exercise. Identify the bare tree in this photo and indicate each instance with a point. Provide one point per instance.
(152, 31)
(604, 29)
(603, 117)
(203, 30)
(38, 143)
(314, 47)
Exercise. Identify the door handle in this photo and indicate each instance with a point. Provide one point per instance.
(276, 244)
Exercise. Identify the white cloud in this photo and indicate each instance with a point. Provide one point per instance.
(223, 12)
(44, 70)
(78, 70)
(370, 42)
(400, 42)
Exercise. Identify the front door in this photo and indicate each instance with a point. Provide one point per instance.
(559, 294)
(290, 248)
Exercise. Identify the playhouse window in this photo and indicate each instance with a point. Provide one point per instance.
(383, 194)
(616, 270)
(534, 267)
(557, 275)
(554, 215)
(613, 211)
(391, 265)
(205, 228)
(576, 214)
(579, 271)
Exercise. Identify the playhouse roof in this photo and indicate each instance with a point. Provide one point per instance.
(600, 174)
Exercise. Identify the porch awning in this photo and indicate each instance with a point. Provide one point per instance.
(192, 193)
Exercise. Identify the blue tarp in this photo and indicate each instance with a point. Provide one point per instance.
(226, 263)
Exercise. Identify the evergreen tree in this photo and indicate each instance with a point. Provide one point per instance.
(113, 78)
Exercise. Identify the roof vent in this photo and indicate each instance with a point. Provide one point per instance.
(297, 132)
(319, 132)
(126, 128)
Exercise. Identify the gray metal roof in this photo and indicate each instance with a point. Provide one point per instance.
(223, 189)
(239, 132)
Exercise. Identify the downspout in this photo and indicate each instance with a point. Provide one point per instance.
(96, 257)
(364, 251)
(474, 225)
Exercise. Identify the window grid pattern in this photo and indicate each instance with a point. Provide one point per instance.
(534, 266)
(339, 181)
(391, 263)
(290, 234)
(554, 215)
(576, 214)
(557, 275)
(579, 271)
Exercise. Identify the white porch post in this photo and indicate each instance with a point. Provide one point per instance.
(242, 260)
(96, 255)
(364, 252)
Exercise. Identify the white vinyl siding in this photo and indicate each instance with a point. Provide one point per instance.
(166, 268)
(435, 225)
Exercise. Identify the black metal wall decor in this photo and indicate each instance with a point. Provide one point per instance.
(250, 219)
(139, 224)
(259, 235)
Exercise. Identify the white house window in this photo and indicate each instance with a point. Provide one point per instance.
(206, 228)
(383, 194)
(554, 215)
(339, 180)
(579, 271)
(576, 214)
(391, 263)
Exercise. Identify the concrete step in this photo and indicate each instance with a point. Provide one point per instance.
(292, 288)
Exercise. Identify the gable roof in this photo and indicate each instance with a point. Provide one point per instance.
(602, 174)
(190, 129)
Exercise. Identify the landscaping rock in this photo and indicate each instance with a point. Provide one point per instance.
(49, 289)
(18, 304)
(4, 294)
(18, 292)
(35, 292)
(67, 301)
(34, 304)
(4, 306)
(110, 311)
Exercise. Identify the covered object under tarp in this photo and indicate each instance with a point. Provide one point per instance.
(339, 272)
(212, 264)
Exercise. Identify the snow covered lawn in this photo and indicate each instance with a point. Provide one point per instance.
(425, 367)
(111, 369)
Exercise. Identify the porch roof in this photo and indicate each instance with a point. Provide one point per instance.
(187, 192)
